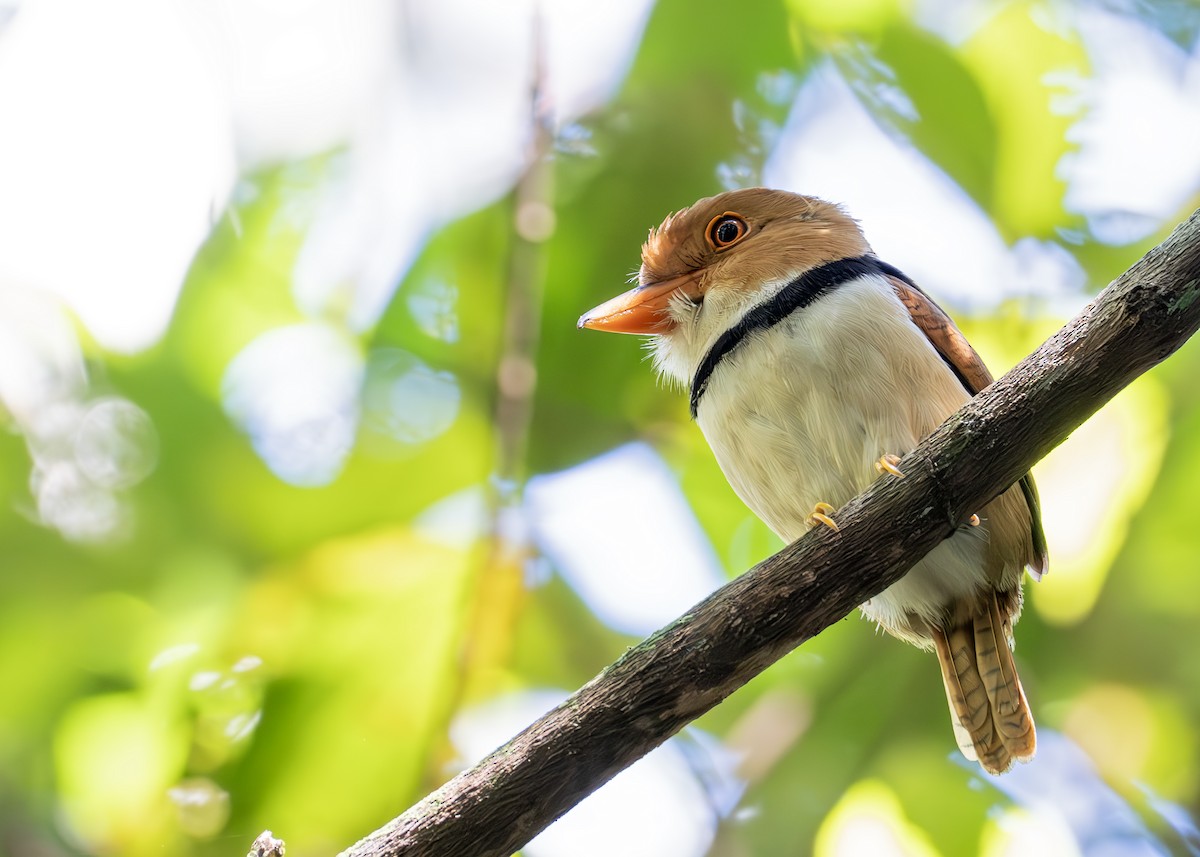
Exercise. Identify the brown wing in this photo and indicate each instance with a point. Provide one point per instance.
(974, 375)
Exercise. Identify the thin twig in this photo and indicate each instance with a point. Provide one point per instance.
(498, 583)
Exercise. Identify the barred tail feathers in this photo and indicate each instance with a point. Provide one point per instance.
(988, 709)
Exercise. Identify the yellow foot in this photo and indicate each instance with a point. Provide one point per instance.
(889, 464)
(820, 515)
(973, 521)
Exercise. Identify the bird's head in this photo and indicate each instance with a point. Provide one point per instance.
(710, 261)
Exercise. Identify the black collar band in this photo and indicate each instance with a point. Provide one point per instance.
(797, 294)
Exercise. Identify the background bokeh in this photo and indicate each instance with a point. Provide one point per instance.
(312, 493)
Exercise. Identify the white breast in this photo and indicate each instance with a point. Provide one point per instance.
(800, 413)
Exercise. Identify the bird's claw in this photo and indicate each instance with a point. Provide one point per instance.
(821, 515)
(889, 464)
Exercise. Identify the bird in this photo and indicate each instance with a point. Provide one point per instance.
(813, 366)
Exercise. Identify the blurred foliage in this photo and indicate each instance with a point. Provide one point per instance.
(247, 653)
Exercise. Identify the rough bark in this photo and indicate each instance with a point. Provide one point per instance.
(685, 669)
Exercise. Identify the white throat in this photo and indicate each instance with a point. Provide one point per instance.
(677, 354)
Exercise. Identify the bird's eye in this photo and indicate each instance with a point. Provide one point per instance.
(726, 229)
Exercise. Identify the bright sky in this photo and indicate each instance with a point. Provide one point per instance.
(126, 123)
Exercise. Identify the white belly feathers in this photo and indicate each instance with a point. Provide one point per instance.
(800, 412)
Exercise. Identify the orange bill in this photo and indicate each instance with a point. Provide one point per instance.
(642, 309)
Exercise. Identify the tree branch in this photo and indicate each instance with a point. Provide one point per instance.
(688, 667)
